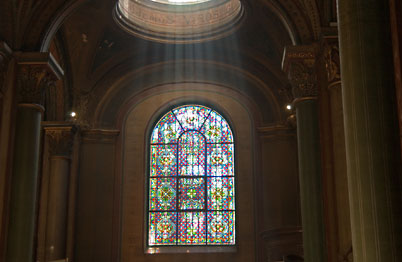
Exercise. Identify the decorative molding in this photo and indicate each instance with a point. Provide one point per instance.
(36, 71)
(82, 107)
(282, 242)
(331, 60)
(299, 63)
(276, 130)
(311, 9)
(60, 139)
(99, 135)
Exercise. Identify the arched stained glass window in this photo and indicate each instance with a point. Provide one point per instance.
(191, 179)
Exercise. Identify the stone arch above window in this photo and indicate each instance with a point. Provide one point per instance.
(191, 180)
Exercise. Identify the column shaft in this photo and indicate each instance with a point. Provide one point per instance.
(310, 181)
(22, 216)
(300, 64)
(57, 208)
(371, 131)
(339, 173)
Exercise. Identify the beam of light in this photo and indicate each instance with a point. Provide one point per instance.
(188, 60)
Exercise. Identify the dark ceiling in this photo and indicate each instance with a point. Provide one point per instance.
(95, 52)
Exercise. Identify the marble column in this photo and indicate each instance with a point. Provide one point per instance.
(299, 63)
(59, 140)
(36, 71)
(7, 65)
(371, 130)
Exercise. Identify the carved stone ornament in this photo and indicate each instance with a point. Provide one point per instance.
(36, 71)
(300, 65)
(332, 63)
(32, 81)
(60, 140)
(303, 78)
(82, 107)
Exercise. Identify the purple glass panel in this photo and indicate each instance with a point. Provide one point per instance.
(191, 193)
(163, 160)
(191, 117)
(167, 130)
(191, 154)
(216, 129)
(221, 194)
(220, 160)
(191, 228)
(162, 228)
(221, 228)
(162, 194)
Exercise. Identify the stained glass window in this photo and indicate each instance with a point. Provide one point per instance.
(191, 179)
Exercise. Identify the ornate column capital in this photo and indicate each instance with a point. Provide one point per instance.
(36, 71)
(60, 138)
(5, 57)
(330, 50)
(299, 63)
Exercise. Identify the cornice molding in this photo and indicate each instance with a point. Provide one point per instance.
(276, 130)
(99, 135)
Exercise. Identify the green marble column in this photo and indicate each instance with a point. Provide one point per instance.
(35, 72)
(22, 209)
(371, 130)
(56, 223)
(308, 140)
(299, 63)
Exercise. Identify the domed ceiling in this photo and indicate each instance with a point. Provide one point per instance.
(178, 21)
(100, 55)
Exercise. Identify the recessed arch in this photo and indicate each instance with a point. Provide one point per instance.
(238, 83)
(137, 125)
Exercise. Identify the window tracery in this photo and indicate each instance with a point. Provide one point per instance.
(191, 179)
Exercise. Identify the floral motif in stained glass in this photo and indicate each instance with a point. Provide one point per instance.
(191, 179)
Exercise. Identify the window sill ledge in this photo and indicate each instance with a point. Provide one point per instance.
(190, 250)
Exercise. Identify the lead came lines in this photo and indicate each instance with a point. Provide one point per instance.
(204, 179)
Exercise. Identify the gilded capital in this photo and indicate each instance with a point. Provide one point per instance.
(36, 72)
(60, 139)
(299, 63)
(331, 60)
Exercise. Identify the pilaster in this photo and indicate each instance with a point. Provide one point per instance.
(337, 214)
(53, 219)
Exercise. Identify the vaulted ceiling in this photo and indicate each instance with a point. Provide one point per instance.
(97, 55)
